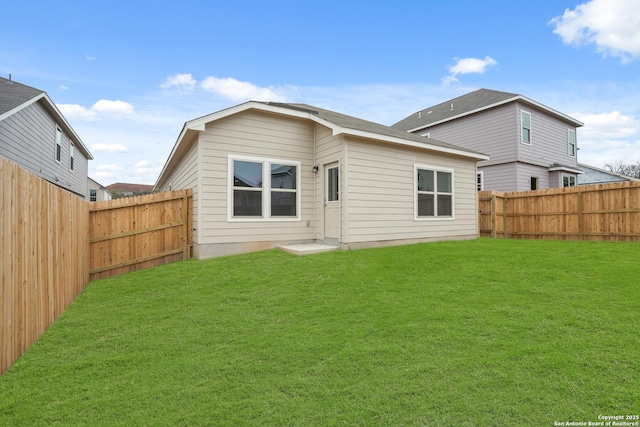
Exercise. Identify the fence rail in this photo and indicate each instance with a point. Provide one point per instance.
(52, 243)
(139, 232)
(595, 212)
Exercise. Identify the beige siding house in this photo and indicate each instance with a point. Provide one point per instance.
(267, 174)
(531, 146)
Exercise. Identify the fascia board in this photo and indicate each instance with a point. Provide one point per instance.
(565, 169)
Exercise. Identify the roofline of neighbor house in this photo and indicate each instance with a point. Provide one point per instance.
(62, 121)
(200, 123)
(516, 98)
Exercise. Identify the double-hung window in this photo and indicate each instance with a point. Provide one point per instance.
(58, 148)
(568, 180)
(433, 193)
(525, 121)
(71, 152)
(571, 141)
(263, 189)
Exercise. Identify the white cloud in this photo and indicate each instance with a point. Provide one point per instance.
(142, 164)
(113, 107)
(111, 167)
(90, 58)
(468, 66)
(179, 81)
(99, 109)
(109, 148)
(613, 125)
(607, 138)
(101, 175)
(75, 111)
(612, 25)
(236, 90)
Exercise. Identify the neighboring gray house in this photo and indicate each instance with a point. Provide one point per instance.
(35, 135)
(265, 174)
(594, 175)
(530, 145)
(97, 192)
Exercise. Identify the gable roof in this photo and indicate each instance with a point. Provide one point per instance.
(129, 187)
(337, 122)
(471, 103)
(15, 96)
(588, 168)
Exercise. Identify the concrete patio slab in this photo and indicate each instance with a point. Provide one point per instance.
(307, 248)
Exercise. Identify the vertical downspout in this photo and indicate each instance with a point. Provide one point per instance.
(315, 184)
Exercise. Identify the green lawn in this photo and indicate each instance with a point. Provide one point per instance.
(485, 332)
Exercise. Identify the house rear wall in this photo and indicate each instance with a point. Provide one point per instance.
(381, 194)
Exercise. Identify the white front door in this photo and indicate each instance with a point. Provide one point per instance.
(332, 201)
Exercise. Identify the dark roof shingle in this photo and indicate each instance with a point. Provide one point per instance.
(454, 107)
(14, 94)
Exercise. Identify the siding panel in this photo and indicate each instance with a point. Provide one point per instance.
(28, 139)
(260, 135)
(381, 194)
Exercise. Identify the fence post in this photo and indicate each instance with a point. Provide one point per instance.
(185, 226)
(580, 215)
(493, 214)
(505, 219)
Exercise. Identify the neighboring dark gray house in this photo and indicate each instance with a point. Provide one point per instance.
(530, 145)
(35, 135)
(594, 175)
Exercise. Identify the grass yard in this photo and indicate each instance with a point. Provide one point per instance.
(473, 333)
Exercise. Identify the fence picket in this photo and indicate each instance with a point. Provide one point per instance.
(52, 243)
(592, 212)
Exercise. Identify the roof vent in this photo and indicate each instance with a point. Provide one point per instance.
(452, 106)
(419, 114)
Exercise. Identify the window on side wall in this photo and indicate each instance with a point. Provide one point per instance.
(263, 189)
(480, 180)
(93, 195)
(568, 180)
(525, 120)
(571, 141)
(58, 147)
(433, 193)
(71, 153)
(534, 183)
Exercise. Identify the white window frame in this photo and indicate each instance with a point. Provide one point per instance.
(570, 143)
(522, 113)
(71, 156)
(266, 189)
(93, 195)
(480, 180)
(57, 148)
(571, 178)
(435, 216)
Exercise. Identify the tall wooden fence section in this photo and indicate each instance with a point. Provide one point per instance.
(43, 264)
(139, 232)
(595, 212)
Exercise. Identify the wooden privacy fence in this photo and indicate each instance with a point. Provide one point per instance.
(592, 212)
(53, 242)
(139, 232)
(43, 257)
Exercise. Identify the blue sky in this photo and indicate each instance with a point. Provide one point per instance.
(127, 75)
